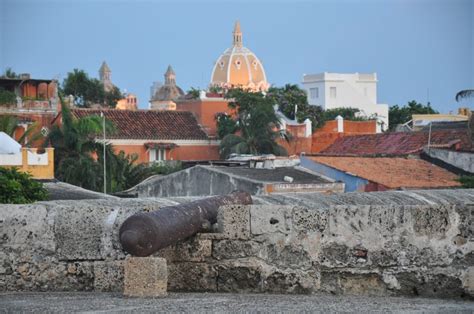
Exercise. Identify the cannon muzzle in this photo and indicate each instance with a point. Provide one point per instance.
(145, 233)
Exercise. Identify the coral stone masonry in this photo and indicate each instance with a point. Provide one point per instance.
(352, 243)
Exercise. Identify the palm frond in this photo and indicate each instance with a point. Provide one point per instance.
(464, 94)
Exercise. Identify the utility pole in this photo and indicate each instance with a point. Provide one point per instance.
(105, 169)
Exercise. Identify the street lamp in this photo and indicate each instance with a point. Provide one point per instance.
(105, 169)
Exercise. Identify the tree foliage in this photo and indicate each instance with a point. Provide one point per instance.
(399, 115)
(467, 93)
(9, 124)
(257, 125)
(193, 93)
(18, 187)
(9, 73)
(291, 98)
(225, 125)
(89, 91)
(7, 97)
(79, 158)
(467, 182)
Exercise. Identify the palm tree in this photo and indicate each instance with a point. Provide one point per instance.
(9, 124)
(257, 125)
(464, 94)
(75, 147)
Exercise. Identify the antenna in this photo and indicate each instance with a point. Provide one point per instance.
(428, 96)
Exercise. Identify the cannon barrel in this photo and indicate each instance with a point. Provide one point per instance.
(143, 234)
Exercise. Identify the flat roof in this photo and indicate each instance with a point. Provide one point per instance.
(273, 175)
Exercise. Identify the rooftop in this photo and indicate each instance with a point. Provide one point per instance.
(149, 124)
(394, 173)
(273, 175)
(396, 143)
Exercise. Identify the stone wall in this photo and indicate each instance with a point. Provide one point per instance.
(343, 249)
(461, 160)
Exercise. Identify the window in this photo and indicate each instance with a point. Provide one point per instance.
(314, 93)
(157, 155)
(332, 92)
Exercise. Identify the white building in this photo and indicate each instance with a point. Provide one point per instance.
(337, 90)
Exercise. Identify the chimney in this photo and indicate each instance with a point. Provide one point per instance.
(340, 124)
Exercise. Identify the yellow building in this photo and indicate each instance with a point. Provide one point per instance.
(239, 67)
(421, 120)
(129, 102)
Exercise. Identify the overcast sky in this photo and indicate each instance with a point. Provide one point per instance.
(414, 46)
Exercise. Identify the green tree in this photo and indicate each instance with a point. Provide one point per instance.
(193, 93)
(399, 115)
(347, 113)
(9, 73)
(467, 182)
(75, 145)
(9, 124)
(7, 97)
(287, 98)
(291, 97)
(112, 97)
(89, 91)
(225, 125)
(18, 187)
(257, 123)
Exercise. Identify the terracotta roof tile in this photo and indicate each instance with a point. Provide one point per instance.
(396, 143)
(149, 124)
(393, 173)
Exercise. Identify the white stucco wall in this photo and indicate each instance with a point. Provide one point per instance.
(356, 90)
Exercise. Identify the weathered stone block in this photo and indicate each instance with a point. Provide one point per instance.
(432, 221)
(425, 284)
(468, 281)
(266, 219)
(306, 220)
(192, 277)
(193, 249)
(239, 278)
(282, 281)
(230, 249)
(25, 228)
(108, 276)
(145, 277)
(289, 256)
(466, 215)
(79, 231)
(352, 283)
(234, 221)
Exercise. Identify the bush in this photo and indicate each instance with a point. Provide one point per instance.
(467, 181)
(7, 97)
(19, 188)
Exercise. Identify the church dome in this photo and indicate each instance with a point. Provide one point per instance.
(169, 91)
(239, 67)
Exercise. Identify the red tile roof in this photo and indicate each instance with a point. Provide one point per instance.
(149, 124)
(396, 143)
(394, 173)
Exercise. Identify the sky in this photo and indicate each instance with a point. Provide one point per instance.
(420, 49)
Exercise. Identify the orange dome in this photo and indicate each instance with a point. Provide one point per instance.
(239, 67)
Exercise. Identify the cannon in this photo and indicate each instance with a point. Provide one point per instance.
(143, 234)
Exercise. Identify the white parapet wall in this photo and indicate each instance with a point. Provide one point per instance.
(11, 159)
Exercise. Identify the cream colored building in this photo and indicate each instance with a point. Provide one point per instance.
(239, 67)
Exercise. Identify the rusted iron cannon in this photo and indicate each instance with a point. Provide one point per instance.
(145, 233)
